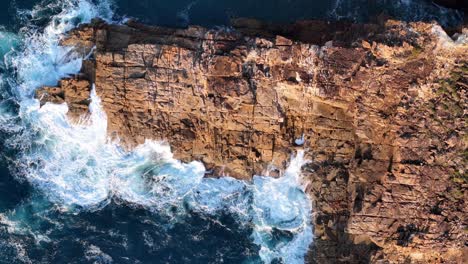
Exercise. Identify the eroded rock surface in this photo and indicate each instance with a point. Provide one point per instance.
(379, 108)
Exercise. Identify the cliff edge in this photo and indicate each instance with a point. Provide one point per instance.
(380, 110)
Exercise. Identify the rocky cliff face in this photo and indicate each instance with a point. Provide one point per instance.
(380, 110)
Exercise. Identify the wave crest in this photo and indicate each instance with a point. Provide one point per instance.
(77, 167)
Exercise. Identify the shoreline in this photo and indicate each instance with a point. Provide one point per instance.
(355, 91)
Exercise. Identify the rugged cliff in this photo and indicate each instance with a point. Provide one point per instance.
(379, 108)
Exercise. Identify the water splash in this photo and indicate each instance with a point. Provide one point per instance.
(280, 206)
(76, 167)
(184, 14)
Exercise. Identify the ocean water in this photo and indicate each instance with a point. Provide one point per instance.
(69, 195)
(215, 12)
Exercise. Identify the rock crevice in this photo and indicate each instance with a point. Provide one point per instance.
(379, 108)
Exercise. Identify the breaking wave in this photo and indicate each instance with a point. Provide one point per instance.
(75, 168)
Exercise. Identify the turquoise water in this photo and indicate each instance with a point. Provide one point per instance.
(77, 197)
(69, 195)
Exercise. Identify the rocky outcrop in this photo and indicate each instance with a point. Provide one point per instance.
(380, 110)
(74, 92)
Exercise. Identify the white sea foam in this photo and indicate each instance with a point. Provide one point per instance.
(8, 41)
(460, 39)
(16, 249)
(94, 253)
(184, 14)
(77, 168)
(44, 61)
(282, 205)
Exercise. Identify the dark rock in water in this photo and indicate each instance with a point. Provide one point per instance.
(379, 109)
(457, 4)
(461, 5)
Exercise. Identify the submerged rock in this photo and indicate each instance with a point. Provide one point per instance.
(380, 110)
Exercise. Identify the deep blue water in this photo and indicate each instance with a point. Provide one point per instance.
(217, 13)
(59, 200)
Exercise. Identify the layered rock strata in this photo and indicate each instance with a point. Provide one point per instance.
(380, 110)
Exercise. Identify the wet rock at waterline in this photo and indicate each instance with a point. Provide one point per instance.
(380, 110)
(73, 195)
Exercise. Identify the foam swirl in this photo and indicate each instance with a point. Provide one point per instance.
(77, 167)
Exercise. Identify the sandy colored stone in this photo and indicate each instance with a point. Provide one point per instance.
(381, 107)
